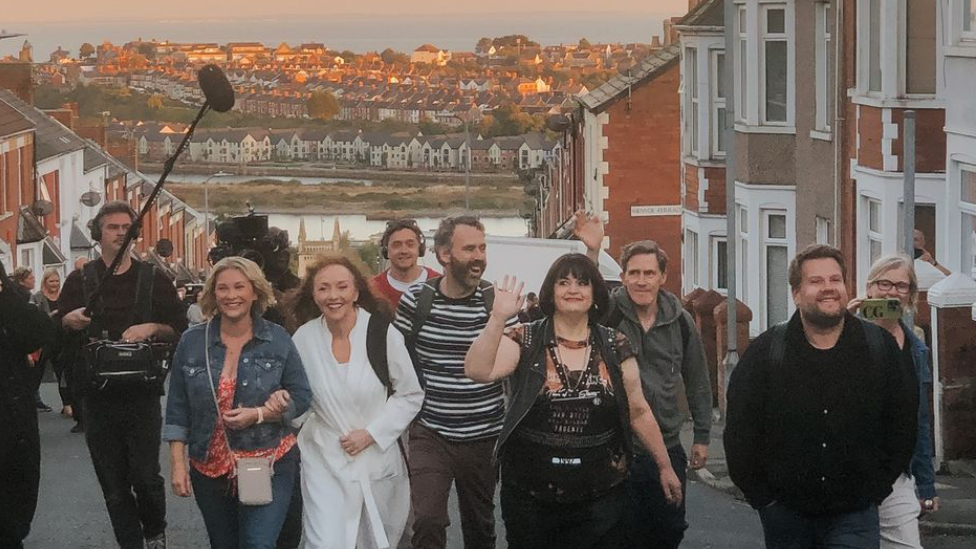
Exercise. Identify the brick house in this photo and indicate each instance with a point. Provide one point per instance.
(632, 156)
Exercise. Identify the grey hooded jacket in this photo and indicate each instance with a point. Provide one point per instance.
(667, 362)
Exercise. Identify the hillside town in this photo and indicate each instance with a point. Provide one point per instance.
(428, 84)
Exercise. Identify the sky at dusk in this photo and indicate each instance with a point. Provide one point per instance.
(63, 11)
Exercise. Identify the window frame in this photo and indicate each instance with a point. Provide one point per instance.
(967, 37)
(767, 37)
(694, 100)
(966, 208)
(871, 234)
(742, 63)
(691, 260)
(717, 265)
(719, 102)
(767, 243)
(825, 63)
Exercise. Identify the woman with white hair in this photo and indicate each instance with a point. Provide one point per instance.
(237, 382)
(893, 277)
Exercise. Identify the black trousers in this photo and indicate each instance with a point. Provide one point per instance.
(591, 524)
(290, 536)
(655, 523)
(20, 473)
(123, 432)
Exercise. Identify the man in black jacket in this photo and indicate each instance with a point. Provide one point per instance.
(822, 416)
(23, 330)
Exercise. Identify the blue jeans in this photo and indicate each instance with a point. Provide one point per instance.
(653, 522)
(231, 525)
(787, 529)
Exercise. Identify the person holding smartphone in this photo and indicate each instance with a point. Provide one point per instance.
(893, 278)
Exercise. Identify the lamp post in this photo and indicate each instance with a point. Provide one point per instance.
(472, 115)
(206, 203)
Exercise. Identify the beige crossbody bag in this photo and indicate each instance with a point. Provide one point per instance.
(253, 474)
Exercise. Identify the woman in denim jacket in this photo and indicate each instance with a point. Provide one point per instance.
(893, 277)
(261, 386)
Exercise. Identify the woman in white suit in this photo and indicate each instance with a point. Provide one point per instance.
(354, 477)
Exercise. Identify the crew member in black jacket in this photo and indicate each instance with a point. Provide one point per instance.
(23, 330)
(821, 416)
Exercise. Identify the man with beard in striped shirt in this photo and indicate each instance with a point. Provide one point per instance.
(454, 435)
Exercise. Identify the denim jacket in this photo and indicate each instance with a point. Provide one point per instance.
(269, 362)
(922, 466)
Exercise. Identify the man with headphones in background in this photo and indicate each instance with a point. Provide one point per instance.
(402, 244)
(123, 418)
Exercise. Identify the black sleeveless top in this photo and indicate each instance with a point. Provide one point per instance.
(570, 445)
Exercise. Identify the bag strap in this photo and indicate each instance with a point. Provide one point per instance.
(875, 342)
(376, 331)
(213, 389)
(488, 294)
(142, 310)
(376, 354)
(777, 346)
(425, 301)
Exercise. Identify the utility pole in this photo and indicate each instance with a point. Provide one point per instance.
(908, 157)
(732, 229)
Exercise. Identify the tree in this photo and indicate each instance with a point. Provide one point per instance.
(147, 49)
(584, 44)
(370, 254)
(155, 101)
(391, 57)
(86, 50)
(138, 61)
(323, 106)
(514, 40)
(483, 45)
(348, 56)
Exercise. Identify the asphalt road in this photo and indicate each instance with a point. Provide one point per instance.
(71, 512)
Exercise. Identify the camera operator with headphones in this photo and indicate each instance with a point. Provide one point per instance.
(137, 308)
(403, 244)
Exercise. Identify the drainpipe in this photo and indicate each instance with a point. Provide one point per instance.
(840, 96)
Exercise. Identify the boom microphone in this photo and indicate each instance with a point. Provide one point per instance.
(216, 88)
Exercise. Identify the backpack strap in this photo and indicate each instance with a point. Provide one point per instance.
(777, 345)
(425, 301)
(684, 321)
(875, 342)
(488, 294)
(142, 311)
(376, 331)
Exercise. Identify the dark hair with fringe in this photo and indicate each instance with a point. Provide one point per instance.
(582, 268)
(304, 307)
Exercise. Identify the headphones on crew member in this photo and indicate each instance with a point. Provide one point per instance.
(395, 225)
(114, 207)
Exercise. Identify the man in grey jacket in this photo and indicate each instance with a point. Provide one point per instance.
(669, 354)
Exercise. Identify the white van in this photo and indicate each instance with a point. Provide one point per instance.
(528, 259)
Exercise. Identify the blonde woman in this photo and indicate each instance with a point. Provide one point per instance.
(46, 300)
(893, 277)
(260, 385)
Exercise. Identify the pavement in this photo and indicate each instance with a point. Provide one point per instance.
(955, 486)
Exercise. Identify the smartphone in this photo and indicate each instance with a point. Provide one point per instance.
(880, 309)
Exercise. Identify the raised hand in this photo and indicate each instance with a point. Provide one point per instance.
(589, 229)
(508, 298)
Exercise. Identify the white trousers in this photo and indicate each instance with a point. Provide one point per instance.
(899, 516)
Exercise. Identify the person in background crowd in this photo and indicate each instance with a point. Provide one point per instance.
(531, 311)
(403, 244)
(355, 487)
(913, 494)
(576, 403)
(237, 382)
(46, 300)
(123, 418)
(822, 415)
(80, 262)
(24, 276)
(671, 357)
(454, 436)
(23, 329)
(923, 254)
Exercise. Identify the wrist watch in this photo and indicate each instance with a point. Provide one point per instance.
(928, 504)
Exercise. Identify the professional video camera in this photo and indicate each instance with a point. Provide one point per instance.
(249, 236)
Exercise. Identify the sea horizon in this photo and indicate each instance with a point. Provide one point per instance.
(359, 33)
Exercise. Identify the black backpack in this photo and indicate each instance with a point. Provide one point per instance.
(376, 349)
(616, 317)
